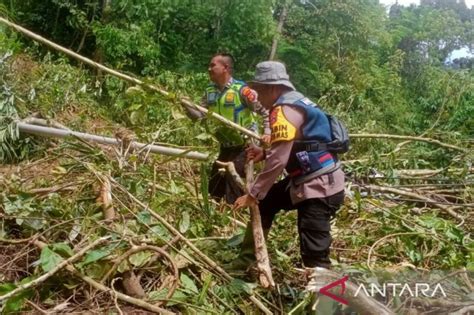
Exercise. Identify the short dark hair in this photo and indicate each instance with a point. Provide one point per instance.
(228, 59)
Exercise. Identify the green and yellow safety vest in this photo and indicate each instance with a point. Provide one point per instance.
(228, 104)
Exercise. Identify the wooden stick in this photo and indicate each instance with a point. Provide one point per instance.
(105, 199)
(60, 266)
(125, 77)
(261, 252)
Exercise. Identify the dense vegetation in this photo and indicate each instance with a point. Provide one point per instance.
(381, 71)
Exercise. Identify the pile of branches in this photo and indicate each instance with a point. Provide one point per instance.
(99, 228)
(89, 243)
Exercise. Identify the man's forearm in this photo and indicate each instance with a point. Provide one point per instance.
(275, 162)
(262, 111)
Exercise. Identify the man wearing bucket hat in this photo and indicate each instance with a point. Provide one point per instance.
(315, 184)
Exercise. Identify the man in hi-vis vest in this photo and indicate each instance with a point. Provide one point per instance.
(234, 100)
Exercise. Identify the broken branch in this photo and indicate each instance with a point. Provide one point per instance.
(61, 265)
(414, 195)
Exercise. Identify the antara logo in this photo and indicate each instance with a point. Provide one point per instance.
(390, 288)
(401, 289)
(342, 282)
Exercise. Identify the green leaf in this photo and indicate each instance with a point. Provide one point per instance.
(95, 255)
(15, 303)
(282, 256)
(158, 295)
(235, 240)
(454, 234)
(238, 286)
(177, 115)
(188, 284)
(161, 231)
(62, 249)
(97, 270)
(49, 259)
(178, 296)
(184, 222)
(144, 217)
(123, 266)
(6, 287)
(134, 107)
(207, 282)
(140, 258)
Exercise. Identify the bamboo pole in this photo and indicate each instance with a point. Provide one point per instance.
(401, 137)
(125, 77)
(62, 133)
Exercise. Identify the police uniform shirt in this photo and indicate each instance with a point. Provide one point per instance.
(285, 122)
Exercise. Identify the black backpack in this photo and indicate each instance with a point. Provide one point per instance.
(340, 136)
(339, 143)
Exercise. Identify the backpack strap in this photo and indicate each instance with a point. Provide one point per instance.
(311, 146)
(323, 171)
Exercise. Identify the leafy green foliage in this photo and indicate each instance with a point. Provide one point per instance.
(49, 259)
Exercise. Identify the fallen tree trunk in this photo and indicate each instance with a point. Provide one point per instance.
(186, 101)
(62, 133)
